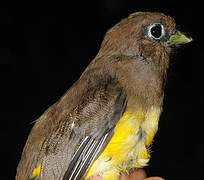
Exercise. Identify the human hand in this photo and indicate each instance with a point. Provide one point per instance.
(135, 175)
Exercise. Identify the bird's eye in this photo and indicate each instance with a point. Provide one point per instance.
(156, 31)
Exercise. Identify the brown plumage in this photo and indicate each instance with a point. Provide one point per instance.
(128, 72)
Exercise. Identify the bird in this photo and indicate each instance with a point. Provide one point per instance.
(106, 121)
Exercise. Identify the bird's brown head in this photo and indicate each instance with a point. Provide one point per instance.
(144, 34)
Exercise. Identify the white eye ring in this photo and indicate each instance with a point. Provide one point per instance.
(156, 31)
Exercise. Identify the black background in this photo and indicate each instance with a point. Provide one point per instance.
(45, 46)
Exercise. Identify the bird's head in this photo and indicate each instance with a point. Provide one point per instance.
(146, 34)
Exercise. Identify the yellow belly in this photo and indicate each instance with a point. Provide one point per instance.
(127, 149)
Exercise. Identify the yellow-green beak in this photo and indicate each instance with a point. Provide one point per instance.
(178, 38)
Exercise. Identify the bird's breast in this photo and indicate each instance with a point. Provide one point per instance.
(127, 148)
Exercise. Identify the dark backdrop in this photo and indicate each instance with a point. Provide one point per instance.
(44, 48)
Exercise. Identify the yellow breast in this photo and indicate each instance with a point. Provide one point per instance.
(127, 148)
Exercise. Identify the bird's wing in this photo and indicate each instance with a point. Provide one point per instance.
(93, 144)
(70, 135)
